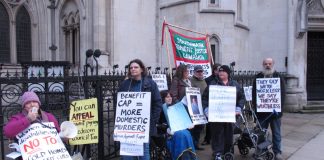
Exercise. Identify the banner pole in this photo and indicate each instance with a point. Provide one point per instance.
(185, 29)
(209, 49)
(167, 50)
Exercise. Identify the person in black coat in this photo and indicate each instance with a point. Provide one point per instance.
(271, 118)
(222, 132)
(137, 81)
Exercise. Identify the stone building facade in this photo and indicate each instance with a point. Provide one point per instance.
(243, 31)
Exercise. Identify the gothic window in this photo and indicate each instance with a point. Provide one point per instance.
(5, 37)
(214, 47)
(71, 29)
(23, 35)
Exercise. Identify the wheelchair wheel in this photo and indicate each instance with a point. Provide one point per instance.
(229, 156)
(268, 156)
(244, 151)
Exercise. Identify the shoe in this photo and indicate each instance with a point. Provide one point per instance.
(278, 156)
(205, 143)
(217, 157)
(199, 148)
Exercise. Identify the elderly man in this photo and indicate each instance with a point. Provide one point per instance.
(271, 118)
(197, 80)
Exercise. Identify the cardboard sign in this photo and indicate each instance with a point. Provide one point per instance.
(222, 103)
(84, 114)
(161, 81)
(177, 117)
(268, 94)
(128, 149)
(132, 122)
(41, 141)
(194, 105)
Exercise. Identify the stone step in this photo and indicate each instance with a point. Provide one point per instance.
(313, 107)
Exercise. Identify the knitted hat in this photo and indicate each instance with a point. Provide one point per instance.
(225, 68)
(29, 96)
(198, 68)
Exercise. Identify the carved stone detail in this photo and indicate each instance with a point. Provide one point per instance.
(316, 7)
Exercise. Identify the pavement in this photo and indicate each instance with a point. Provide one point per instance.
(302, 139)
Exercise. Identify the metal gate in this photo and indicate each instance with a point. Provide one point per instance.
(315, 66)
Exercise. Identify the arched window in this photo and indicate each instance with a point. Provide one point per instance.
(5, 35)
(214, 47)
(23, 36)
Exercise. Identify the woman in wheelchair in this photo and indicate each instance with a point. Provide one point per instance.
(179, 143)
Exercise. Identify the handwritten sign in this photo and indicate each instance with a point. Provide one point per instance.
(84, 114)
(132, 122)
(128, 149)
(177, 117)
(248, 93)
(194, 105)
(268, 94)
(222, 103)
(41, 141)
(161, 81)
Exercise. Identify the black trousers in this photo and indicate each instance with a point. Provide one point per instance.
(221, 137)
(207, 135)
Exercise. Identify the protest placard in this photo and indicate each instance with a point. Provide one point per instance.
(161, 81)
(41, 141)
(194, 105)
(268, 95)
(128, 149)
(84, 114)
(178, 118)
(248, 93)
(132, 121)
(222, 103)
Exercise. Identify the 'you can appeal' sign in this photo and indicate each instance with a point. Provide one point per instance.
(268, 94)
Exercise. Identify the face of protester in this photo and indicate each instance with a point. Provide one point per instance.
(223, 75)
(29, 105)
(216, 71)
(185, 74)
(136, 71)
(268, 66)
(199, 74)
(168, 99)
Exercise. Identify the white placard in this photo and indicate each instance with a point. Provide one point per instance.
(161, 81)
(268, 94)
(194, 105)
(248, 93)
(222, 103)
(132, 121)
(177, 117)
(127, 149)
(41, 141)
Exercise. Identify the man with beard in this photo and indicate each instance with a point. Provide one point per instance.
(271, 118)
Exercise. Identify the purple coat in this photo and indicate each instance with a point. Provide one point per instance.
(19, 122)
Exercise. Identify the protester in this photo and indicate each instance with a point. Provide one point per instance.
(197, 80)
(179, 83)
(271, 118)
(212, 77)
(31, 113)
(138, 81)
(222, 132)
(180, 144)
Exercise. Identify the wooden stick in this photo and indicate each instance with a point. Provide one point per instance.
(209, 50)
(168, 53)
(184, 29)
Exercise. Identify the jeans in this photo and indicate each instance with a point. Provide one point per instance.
(146, 155)
(275, 125)
(221, 137)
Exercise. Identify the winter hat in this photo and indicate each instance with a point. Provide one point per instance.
(225, 68)
(198, 68)
(29, 96)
